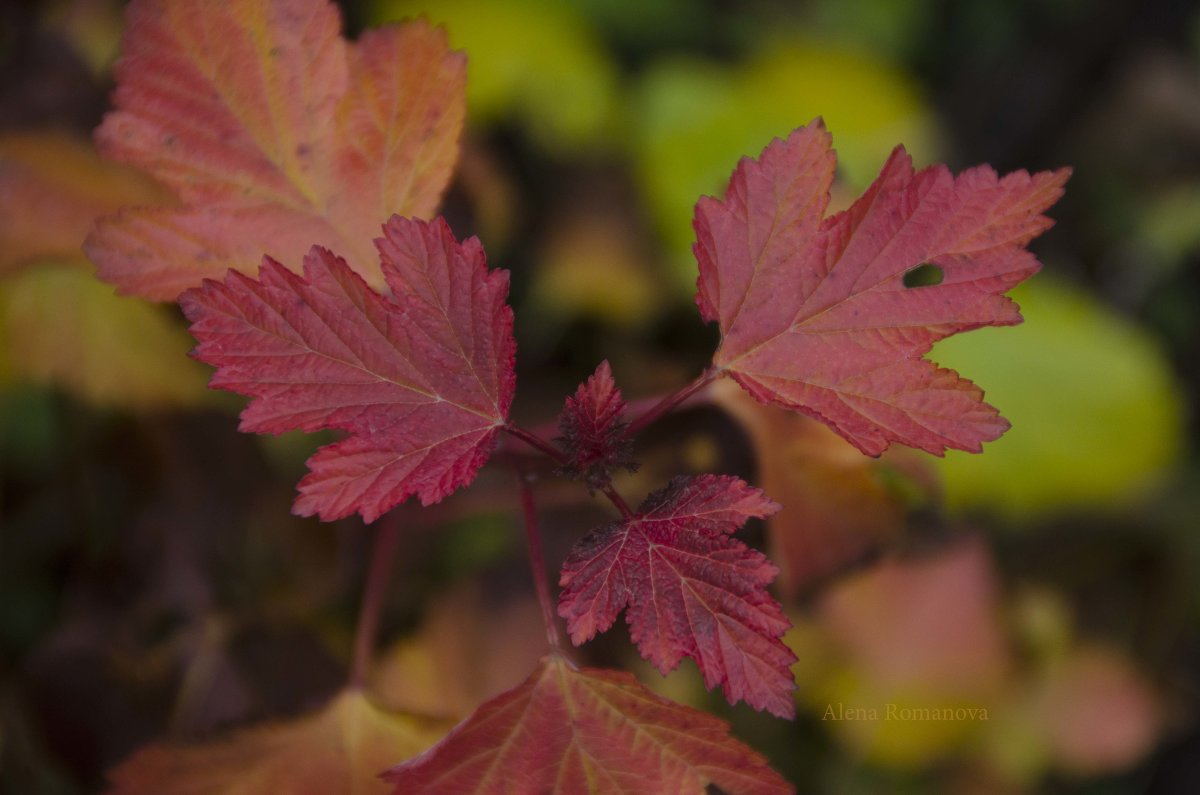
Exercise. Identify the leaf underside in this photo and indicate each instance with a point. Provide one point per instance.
(814, 312)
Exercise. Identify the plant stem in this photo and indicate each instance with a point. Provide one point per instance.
(618, 501)
(537, 443)
(533, 541)
(671, 401)
(560, 458)
(383, 553)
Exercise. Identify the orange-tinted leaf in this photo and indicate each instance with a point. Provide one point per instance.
(421, 379)
(814, 312)
(52, 189)
(470, 647)
(340, 749)
(572, 732)
(275, 134)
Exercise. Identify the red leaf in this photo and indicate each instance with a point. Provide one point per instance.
(814, 313)
(421, 380)
(566, 731)
(274, 134)
(592, 431)
(690, 588)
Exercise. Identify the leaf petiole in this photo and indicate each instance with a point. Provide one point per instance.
(536, 442)
(672, 400)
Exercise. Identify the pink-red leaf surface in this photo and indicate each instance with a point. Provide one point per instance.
(274, 134)
(813, 310)
(593, 433)
(577, 732)
(690, 589)
(421, 380)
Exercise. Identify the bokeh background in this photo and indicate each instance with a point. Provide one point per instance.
(153, 583)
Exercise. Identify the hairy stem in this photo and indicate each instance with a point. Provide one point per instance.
(533, 542)
(560, 458)
(383, 553)
(671, 401)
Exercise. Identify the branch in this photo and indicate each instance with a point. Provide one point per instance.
(533, 540)
(383, 553)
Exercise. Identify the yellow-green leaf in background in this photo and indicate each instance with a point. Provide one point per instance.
(694, 119)
(535, 61)
(59, 325)
(1096, 414)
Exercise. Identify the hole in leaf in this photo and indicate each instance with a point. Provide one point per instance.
(924, 275)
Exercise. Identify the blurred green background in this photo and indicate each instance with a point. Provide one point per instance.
(152, 581)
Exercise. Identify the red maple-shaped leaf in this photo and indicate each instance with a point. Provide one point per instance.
(593, 434)
(274, 134)
(814, 312)
(574, 732)
(691, 590)
(421, 380)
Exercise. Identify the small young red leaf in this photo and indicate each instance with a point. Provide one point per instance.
(420, 380)
(571, 732)
(814, 312)
(691, 590)
(274, 134)
(593, 434)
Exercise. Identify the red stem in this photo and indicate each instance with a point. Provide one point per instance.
(671, 401)
(537, 443)
(560, 458)
(383, 553)
(533, 540)
(618, 501)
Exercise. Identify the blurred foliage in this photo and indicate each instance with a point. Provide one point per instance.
(532, 61)
(930, 634)
(1097, 417)
(59, 325)
(109, 350)
(153, 583)
(693, 120)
